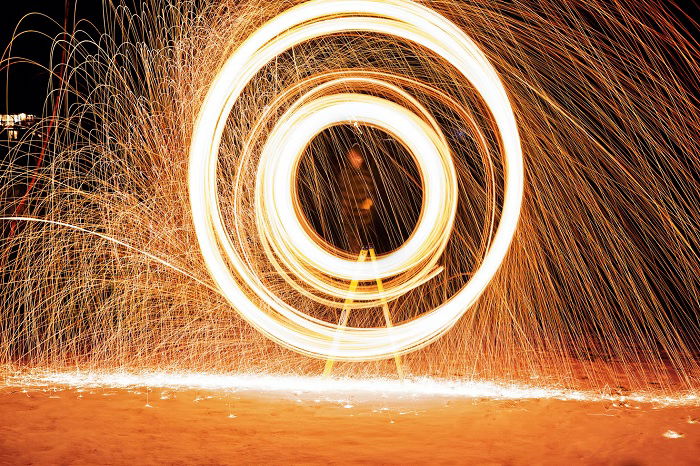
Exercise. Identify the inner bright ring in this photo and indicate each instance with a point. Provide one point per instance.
(404, 20)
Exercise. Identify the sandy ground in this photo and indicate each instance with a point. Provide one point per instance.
(156, 426)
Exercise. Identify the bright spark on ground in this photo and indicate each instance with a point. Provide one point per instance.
(372, 387)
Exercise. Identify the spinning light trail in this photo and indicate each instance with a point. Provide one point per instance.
(286, 145)
(539, 164)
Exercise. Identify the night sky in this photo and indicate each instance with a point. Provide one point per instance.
(25, 91)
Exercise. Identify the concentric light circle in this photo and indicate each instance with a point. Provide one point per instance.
(404, 20)
(276, 180)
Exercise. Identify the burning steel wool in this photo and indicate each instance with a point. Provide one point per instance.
(536, 171)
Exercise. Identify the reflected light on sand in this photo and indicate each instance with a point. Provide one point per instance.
(370, 388)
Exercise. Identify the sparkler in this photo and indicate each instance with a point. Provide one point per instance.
(192, 127)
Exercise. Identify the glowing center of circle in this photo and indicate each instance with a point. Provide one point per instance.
(405, 20)
(434, 162)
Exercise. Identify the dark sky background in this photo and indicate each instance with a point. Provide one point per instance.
(28, 83)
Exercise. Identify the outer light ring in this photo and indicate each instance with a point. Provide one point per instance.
(405, 20)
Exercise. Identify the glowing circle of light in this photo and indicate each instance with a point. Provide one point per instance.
(420, 269)
(279, 167)
(404, 20)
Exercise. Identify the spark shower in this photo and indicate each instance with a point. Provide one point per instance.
(166, 229)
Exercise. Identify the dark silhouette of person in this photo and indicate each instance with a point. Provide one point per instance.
(357, 201)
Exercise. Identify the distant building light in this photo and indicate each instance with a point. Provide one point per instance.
(20, 119)
(12, 127)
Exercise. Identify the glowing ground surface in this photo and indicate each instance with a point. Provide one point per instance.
(149, 418)
(366, 388)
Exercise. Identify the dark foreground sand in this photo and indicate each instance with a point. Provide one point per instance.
(140, 426)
